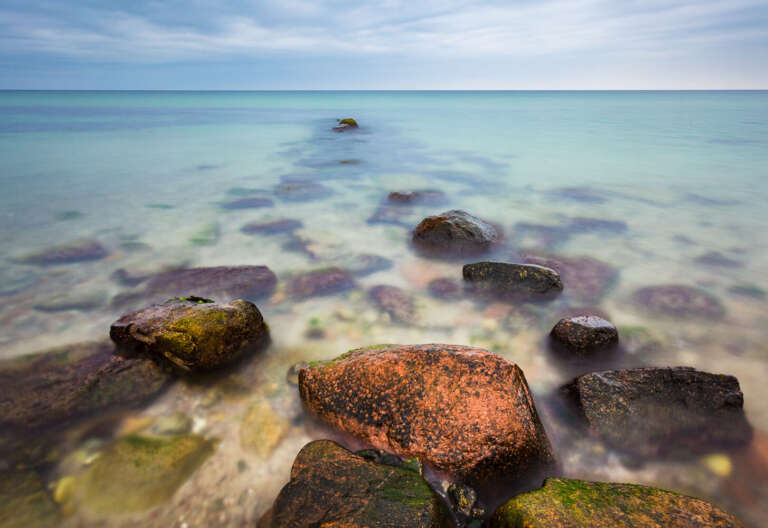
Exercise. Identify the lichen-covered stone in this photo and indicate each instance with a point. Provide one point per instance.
(193, 335)
(585, 278)
(394, 301)
(661, 411)
(332, 487)
(137, 473)
(272, 227)
(454, 233)
(679, 301)
(78, 251)
(585, 335)
(326, 281)
(24, 502)
(568, 503)
(262, 429)
(503, 279)
(345, 124)
(463, 410)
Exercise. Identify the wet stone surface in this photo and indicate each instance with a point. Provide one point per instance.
(501, 279)
(454, 234)
(585, 335)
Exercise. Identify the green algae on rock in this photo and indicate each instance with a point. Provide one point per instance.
(137, 473)
(191, 335)
(331, 486)
(502, 278)
(347, 123)
(568, 503)
(24, 502)
(262, 429)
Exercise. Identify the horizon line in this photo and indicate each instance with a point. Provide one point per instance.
(384, 90)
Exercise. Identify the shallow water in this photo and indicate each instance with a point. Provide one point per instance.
(146, 174)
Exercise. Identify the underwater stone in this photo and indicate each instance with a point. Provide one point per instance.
(248, 203)
(192, 334)
(320, 282)
(585, 278)
(331, 486)
(78, 251)
(679, 301)
(428, 196)
(175, 424)
(444, 288)
(503, 279)
(582, 504)
(272, 227)
(388, 214)
(395, 301)
(302, 191)
(454, 233)
(585, 335)
(365, 263)
(596, 225)
(661, 411)
(24, 502)
(262, 429)
(717, 259)
(84, 300)
(461, 409)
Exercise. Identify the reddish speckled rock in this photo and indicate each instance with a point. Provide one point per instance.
(454, 234)
(461, 409)
(585, 335)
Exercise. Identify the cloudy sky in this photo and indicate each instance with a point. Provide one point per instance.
(387, 44)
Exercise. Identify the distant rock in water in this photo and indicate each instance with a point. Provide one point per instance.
(585, 278)
(717, 259)
(428, 196)
(582, 504)
(192, 333)
(464, 410)
(272, 227)
(444, 288)
(596, 225)
(345, 124)
(585, 335)
(679, 301)
(302, 191)
(661, 411)
(578, 194)
(326, 281)
(454, 234)
(333, 487)
(502, 279)
(78, 251)
(248, 203)
(394, 301)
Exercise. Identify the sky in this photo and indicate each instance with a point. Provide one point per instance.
(387, 44)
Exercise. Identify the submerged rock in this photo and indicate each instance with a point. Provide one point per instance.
(302, 191)
(345, 124)
(24, 502)
(463, 410)
(248, 203)
(272, 227)
(395, 301)
(320, 282)
(79, 251)
(586, 278)
(583, 224)
(262, 429)
(428, 196)
(388, 214)
(366, 263)
(717, 259)
(192, 333)
(333, 487)
(748, 290)
(503, 279)
(454, 233)
(444, 288)
(679, 301)
(585, 335)
(661, 411)
(137, 473)
(582, 504)
(578, 194)
(82, 300)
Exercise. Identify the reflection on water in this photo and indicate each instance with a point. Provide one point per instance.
(649, 205)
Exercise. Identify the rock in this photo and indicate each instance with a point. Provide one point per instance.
(65, 216)
(444, 288)
(395, 301)
(582, 504)
(586, 278)
(137, 473)
(388, 214)
(262, 430)
(345, 124)
(302, 191)
(717, 259)
(679, 301)
(578, 194)
(463, 410)
(273, 227)
(502, 279)
(175, 424)
(24, 502)
(332, 487)
(81, 300)
(661, 411)
(463, 501)
(596, 225)
(585, 335)
(454, 233)
(365, 264)
(326, 281)
(207, 235)
(317, 245)
(192, 334)
(79, 251)
(541, 236)
(416, 197)
(248, 203)
(225, 282)
(748, 290)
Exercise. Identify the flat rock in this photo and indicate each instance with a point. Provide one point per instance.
(256, 202)
(585, 335)
(78, 251)
(272, 227)
(504, 279)
(568, 503)
(679, 301)
(586, 278)
(326, 281)
(461, 409)
(333, 487)
(394, 301)
(661, 411)
(455, 233)
(191, 333)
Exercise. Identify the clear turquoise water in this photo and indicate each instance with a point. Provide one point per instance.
(686, 171)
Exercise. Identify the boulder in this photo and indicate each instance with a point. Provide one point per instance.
(585, 335)
(333, 487)
(395, 301)
(587, 279)
(661, 411)
(345, 124)
(455, 233)
(78, 251)
(272, 227)
(679, 301)
(463, 410)
(502, 279)
(326, 281)
(193, 334)
(568, 503)
(255, 202)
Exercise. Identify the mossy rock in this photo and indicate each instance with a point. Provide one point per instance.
(582, 504)
(137, 473)
(262, 429)
(24, 502)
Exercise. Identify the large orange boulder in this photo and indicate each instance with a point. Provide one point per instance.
(462, 410)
